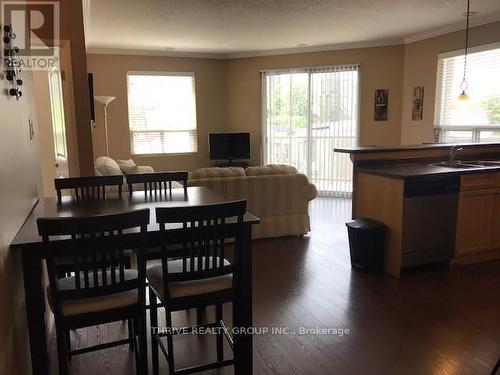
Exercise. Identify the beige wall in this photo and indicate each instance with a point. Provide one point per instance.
(228, 96)
(380, 67)
(19, 181)
(229, 91)
(71, 29)
(110, 78)
(20, 184)
(420, 69)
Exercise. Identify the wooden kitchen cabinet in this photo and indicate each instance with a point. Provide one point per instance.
(474, 222)
(478, 221)
(495, 230)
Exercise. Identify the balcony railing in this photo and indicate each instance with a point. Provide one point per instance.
(331, 172)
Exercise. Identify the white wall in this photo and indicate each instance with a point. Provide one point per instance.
(19, 184)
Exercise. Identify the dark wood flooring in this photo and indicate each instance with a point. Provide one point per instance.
(431, 321)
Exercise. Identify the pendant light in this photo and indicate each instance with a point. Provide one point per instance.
(464, 85)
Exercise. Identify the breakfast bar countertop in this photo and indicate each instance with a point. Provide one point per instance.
(423, 146)
(403, 171)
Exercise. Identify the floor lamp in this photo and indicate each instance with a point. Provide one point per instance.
(105, 100)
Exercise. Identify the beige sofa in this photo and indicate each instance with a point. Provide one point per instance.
(106, 166)
(278, 195)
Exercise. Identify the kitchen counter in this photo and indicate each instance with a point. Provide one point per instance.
(385, 179)
(421, 170)
(429, 146)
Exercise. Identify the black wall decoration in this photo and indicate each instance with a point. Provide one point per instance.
(381, 102)
(11, 63)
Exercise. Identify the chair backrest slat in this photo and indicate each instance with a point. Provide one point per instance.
(204, 230)
(97, 246)
(88, 188)
(156, 183)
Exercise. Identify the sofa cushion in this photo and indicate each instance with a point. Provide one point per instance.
(216, 172)
(107, 166)
(189, 288)
(270, 170)
(128, 166)
(95, 304)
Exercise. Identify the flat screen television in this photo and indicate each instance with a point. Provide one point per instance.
(229, 146)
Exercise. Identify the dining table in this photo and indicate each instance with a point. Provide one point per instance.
(30, 246)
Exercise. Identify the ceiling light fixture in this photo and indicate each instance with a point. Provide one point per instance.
(464, 85)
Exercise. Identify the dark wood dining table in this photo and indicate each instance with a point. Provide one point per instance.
(29, 243)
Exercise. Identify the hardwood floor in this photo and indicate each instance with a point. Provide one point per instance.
(433, 320)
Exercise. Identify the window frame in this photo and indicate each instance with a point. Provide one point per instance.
(440, 131)
(168, 74)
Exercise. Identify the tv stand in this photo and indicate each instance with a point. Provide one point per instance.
(233, 163)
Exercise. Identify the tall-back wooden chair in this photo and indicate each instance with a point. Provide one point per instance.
(85, 189)
(88, 188)
(102, 290)
(202, 276)
(157, 183)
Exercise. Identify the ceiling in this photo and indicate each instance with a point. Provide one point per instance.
(234, 28)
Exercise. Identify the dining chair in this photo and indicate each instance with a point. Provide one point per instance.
(88, 188)
(157, 183)
(496, 368)
(201, 277)
(85, 189)
(102, 290)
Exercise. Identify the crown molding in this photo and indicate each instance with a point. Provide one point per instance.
(238, 55)
(320, 48)
(153, 53)
(450, 28)
(86, 20)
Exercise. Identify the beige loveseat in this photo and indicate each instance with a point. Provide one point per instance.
(106, 166)
(278, 195)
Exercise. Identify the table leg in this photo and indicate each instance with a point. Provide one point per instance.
(242, 306)
(35, 310)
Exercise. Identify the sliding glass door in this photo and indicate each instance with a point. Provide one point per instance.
(306, 114)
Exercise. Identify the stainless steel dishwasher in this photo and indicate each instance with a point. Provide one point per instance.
(429, 219)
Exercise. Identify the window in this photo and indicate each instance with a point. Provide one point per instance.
(478, 119)
(306, 114)
(162, 113)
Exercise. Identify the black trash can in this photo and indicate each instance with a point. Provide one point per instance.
(366, 243)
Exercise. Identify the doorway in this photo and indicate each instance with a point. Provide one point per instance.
(53, 91)
(306, 114)
(58, 123)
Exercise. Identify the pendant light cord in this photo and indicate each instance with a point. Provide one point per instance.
(464, 85)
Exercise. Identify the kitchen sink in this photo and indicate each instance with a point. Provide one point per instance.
(458, 164)
(485, 163)
(455, 164)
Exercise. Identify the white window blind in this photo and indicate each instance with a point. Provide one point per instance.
(476, 120)
(162, 112)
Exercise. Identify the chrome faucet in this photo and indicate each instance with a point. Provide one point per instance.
(453, 152)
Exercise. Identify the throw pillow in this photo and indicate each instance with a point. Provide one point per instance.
(107, 166)
(128, 166)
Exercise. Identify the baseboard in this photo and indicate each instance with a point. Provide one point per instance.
(475, 258)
